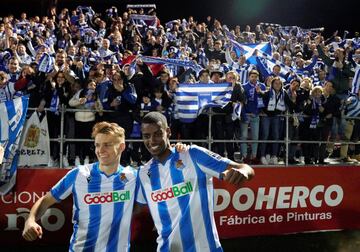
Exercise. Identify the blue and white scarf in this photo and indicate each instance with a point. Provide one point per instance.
(54, 103)
(276, 101)
(86, 10)
(176, 62)
(316, 103)
(236, 114)
(46, 63)
(90, 101)
(142, 18)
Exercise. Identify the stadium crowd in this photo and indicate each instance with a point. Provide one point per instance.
(101, 62)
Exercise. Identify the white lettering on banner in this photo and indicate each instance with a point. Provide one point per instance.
(294, 216)
(240, 220)
(12, 219)
(21, 197)
(274, 218)
(225, 196)
(279, 197)
(32, 152)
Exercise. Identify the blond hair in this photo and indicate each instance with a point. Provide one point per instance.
(108, 128)
(316, 89)
(235, 74)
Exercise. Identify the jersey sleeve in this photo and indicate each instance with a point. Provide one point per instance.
(209, 162)
(64, 187)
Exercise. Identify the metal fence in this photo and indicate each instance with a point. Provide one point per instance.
(209, 140)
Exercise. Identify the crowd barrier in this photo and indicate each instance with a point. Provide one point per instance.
(209, 141)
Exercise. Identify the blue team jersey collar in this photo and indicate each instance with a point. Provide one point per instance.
(97, 168)
(169, 157)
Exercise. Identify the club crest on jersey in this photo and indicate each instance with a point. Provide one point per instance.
(179, 164)
(149, 173)
(88, 178)
(123, 178)
(175, 191)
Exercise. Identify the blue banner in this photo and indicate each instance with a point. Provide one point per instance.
(12, 118)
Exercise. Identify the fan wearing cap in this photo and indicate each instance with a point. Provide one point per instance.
(216, 76)
(204, 76)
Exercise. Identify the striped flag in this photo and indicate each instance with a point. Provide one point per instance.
(356, 81)
(12, 118)
(192, 99)
(265, 64)
(353, 108)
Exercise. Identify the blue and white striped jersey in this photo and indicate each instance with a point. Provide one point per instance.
(102, 207)
(179, 193)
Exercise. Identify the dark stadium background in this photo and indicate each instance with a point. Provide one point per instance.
(331, 14)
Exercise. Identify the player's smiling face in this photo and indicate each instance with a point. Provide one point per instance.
(108, 149)
(156, 139)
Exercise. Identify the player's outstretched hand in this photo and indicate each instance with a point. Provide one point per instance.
(238, 175)
(32, 231)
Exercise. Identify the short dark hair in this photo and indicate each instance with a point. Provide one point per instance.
(204, 71)
(155, 117)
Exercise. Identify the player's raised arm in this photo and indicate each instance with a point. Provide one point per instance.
(32, 230)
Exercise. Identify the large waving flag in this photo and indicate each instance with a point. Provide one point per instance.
(265, 64)
(12, 118)
(192, 99)
(249, 49)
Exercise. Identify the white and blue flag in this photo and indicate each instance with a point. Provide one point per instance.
(353, 108)
(249, 49)
(356, 81)
(192, 99)
(12, 118)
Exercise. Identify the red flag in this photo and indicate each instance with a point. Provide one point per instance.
(155, 68)
(128, 59)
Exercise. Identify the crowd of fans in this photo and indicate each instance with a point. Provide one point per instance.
(92, 61)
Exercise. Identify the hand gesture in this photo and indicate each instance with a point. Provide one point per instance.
(180, 147)
(32, 231)
(82, 100)
(235, 176)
